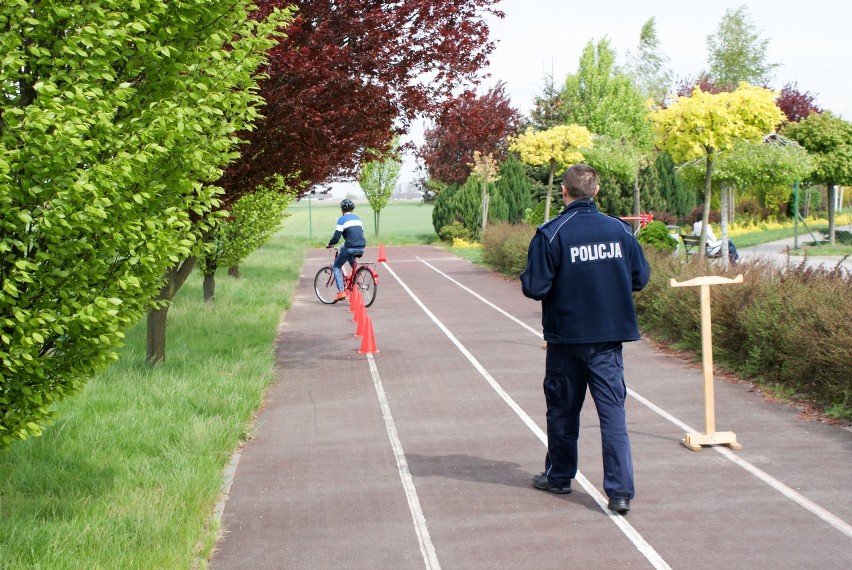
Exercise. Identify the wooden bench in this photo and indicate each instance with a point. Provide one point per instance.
(691, 243)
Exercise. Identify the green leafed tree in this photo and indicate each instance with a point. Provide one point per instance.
(378, 180)
(115, 118)
(828, 138)
(767, 169)
(737, 51)
(617, 163)
(648, 66)
(251, 222)
(603, 98)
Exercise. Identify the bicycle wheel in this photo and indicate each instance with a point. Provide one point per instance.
(366, 285)
(324, 285)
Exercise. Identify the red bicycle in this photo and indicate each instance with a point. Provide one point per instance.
(363, 276)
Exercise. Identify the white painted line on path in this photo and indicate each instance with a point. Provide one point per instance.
(427, 549)
(631, 533)
(484, 300)
(794, 496)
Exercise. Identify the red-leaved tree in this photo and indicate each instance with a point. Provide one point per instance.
(466, 124)
(685, 87)
(796, 105)
(349, 76)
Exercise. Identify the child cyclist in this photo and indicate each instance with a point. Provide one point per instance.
(350, 227)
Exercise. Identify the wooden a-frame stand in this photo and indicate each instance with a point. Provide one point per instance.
(694, 441)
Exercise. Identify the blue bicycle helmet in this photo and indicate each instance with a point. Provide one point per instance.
(347, 205)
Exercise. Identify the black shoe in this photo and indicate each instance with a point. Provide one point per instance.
(541, 482)
(619, 505)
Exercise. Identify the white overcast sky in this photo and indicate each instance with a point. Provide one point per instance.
(810, 40)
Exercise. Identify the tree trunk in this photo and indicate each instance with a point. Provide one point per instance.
(156, 340)
(376, 216)
(209, 287)
(484, 207)
(705, 215)
(724, 212)
(234, 271)
(637, 207)
(831, 199)
(732, 205)
(210, 267)
(807, 211)
(549, 190)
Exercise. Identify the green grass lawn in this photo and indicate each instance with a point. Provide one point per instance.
(130, 472)
(806, 241)
(757, 238)
(399, 222)
(823, 249)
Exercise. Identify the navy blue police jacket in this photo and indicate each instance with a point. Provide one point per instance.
(583, 266)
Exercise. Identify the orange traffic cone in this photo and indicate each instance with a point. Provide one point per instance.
(361, 318)
(382, 253)
(353, 301)
(368, 343)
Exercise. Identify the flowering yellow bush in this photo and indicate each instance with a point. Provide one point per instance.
(464, 244)
(752, 226)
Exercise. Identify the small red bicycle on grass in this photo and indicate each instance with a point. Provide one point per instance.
(362, 276)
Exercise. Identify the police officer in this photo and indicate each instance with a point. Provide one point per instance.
(584, 266)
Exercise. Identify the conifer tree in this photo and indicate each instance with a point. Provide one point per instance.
(442, 212)
(515, 189)
(679, 198)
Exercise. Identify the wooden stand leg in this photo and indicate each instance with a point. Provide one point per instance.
(694, 441)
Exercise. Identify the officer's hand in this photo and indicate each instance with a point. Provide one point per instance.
(328, 246)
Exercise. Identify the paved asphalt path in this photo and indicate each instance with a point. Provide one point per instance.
(778, 252)
(422, 455)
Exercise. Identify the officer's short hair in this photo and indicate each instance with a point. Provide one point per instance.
(581, 181)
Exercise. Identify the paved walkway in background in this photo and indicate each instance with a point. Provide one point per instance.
(777, 251)
(422, 455)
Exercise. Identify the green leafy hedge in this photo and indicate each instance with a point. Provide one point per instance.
(505, 246)
(781, 327)
(656, 234)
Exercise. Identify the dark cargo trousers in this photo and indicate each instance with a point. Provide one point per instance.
(569, 369)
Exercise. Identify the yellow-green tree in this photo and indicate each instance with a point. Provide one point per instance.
(484, 167)
(704, 124)
(558, 147)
